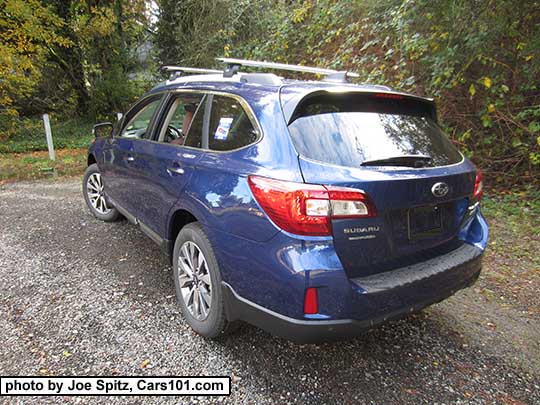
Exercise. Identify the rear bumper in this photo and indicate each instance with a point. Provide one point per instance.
(376, 299)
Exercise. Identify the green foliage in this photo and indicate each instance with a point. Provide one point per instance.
(513, 204)
(109, 35)
(28, 30)
(113, 91)
(28, 134)
(74, 57)
(194, 32)
(479, 59)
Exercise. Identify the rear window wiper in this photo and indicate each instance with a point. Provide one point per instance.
(403, 160)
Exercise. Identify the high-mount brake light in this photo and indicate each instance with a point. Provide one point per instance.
(389, 95)
(478, 186)
(308, 209)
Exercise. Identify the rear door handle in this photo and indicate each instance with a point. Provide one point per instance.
(175, 170)
(130, 159)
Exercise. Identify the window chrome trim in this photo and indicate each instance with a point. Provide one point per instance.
(243, 103)
(177, 92)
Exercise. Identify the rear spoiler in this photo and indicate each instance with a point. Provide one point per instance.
(292, 104)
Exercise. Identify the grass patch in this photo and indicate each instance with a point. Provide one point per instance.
(517, 213)
(512, 262)
(36, 165)
(28, 134)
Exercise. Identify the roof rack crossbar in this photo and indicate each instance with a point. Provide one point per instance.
(234, 64)
(177, 71)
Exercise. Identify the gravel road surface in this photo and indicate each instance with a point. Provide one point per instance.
(83, 297)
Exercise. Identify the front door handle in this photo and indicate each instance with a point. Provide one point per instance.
(130, 159)
(175, 170)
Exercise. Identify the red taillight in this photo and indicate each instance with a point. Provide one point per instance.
(308, 209)
(478, 186)
(311, 304)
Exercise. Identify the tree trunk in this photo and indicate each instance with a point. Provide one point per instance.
(70, 59)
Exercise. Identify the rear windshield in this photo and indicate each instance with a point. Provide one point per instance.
(349, 130)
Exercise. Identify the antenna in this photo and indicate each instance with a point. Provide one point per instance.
(233, 65)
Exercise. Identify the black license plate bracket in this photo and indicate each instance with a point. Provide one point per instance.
(425, 221)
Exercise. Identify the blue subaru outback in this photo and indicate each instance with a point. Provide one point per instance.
(311, 209)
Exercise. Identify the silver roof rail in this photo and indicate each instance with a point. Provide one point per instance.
(177, 71)
(233, 66)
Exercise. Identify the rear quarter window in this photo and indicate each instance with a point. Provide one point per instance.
(348, 130)
(230, 126)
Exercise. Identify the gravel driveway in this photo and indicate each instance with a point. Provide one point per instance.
(83, 297)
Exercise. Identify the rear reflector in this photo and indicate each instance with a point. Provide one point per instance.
(311, 304)
(478, 186)
(308, 209)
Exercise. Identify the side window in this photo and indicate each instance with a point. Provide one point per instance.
(138, 123)
(195, 131)
(180, 118)
(230, 127)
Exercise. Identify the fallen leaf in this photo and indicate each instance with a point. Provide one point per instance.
(235, 378)
(145, 363)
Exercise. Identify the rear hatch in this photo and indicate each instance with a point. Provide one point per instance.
(390, 146)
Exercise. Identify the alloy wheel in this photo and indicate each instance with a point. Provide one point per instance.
(194, 280)
(96, 194)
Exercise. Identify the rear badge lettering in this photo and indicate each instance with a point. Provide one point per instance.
(362, 237)
(365, 229)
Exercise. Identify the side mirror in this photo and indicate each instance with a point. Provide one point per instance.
(102, 130)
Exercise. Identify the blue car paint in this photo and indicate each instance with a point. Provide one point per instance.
(476, 231)
(263, 263)
(392, 190)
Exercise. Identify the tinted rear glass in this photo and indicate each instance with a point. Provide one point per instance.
(230, 127)
(348, 130)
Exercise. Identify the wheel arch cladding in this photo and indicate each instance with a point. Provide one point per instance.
(179, 219)
(91, 159)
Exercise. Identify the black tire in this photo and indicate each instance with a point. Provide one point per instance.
(106, 213)
(215, 324)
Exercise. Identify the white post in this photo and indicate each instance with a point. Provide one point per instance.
(48, 134)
